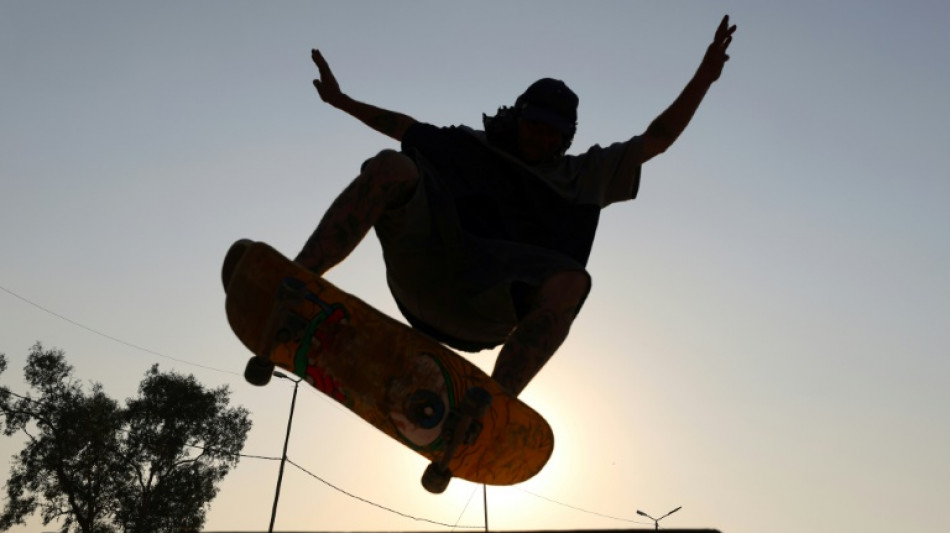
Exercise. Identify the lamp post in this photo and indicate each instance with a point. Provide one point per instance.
(656, 521)
(283, 457)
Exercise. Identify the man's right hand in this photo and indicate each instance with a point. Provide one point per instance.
(386, 122)
(326, 85)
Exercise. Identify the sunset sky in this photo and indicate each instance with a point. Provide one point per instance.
(766, 343)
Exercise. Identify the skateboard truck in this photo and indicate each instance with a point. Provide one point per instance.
(461, 427)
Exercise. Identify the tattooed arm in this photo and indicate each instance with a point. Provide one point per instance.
(386, 122)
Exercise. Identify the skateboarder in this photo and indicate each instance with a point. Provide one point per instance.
(486, 234)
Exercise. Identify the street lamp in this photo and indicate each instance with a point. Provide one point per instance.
(283, 458)
(656, 521)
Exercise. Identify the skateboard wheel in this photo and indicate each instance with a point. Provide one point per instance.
(436, 479)
(258, 371)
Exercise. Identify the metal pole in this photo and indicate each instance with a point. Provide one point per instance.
(283, 457)
(485, 504)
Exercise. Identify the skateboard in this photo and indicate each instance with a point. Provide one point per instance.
(408, 385)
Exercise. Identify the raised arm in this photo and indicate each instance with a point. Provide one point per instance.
(665, 128)
(386, 122)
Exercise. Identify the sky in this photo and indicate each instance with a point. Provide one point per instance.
(766, 343)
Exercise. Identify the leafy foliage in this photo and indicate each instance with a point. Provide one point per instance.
(153, 465)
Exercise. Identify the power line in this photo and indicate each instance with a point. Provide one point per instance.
(238, 454)
(110, 337)
(459, 519)
(453, 526)
(374, 504)
(602, 515)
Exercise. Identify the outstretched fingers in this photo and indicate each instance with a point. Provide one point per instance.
(326, 85)
(715, 58)
(724, 33)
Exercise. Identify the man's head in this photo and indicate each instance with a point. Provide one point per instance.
(547, 120)
(540, 126)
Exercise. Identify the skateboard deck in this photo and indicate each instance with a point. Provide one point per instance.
(406, 384)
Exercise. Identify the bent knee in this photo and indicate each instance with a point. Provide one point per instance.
(391, 176)
(565, 290)
(391, 166)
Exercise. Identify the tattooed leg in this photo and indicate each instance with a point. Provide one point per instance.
(386, 181)
(541, 331)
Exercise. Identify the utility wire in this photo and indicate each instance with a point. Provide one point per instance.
(632, 521)
(110, 337)
(459, 519)
(374, 504)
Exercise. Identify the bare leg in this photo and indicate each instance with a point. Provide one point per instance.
(541, 332)
(386, 181)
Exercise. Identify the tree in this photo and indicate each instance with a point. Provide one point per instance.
(150, 466)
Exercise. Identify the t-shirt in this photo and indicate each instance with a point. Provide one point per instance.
(482, 222)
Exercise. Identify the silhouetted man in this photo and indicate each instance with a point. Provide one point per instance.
(486, 234)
